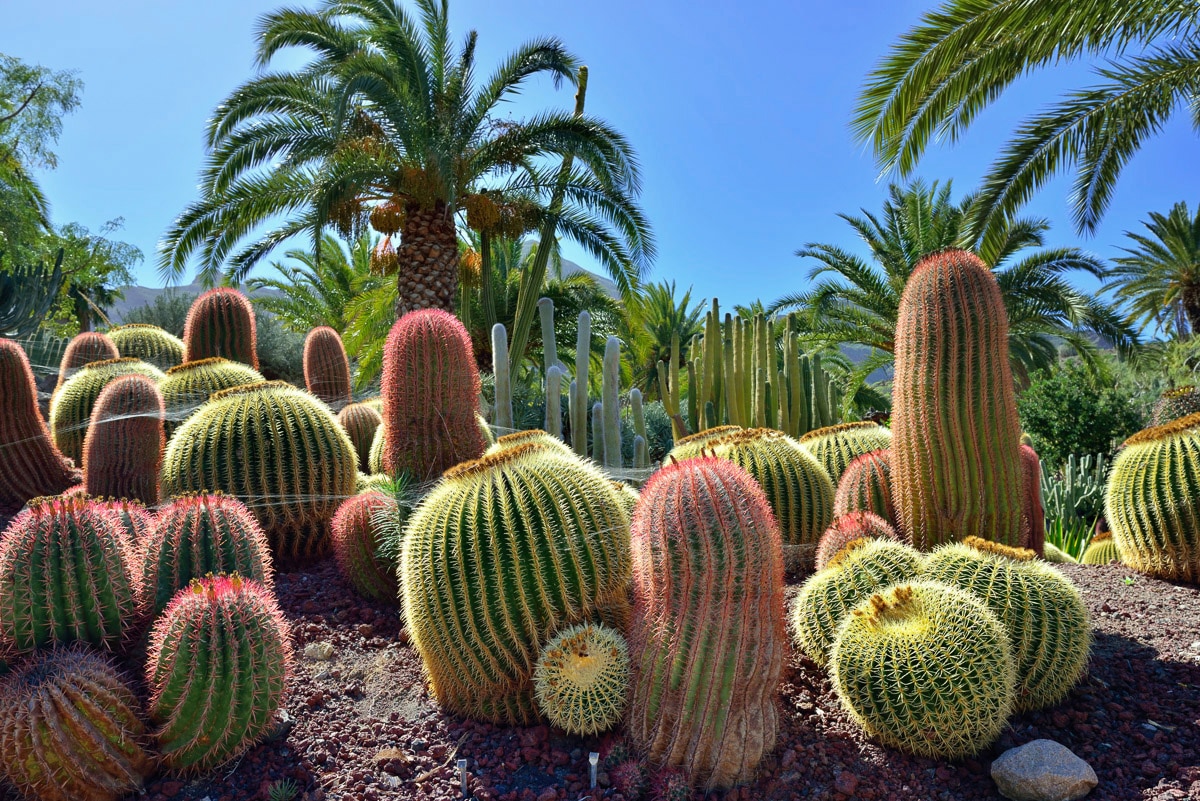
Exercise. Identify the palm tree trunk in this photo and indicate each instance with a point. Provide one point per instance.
(1191, 308)
(428, 256)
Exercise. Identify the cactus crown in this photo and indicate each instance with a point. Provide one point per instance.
(107, 362)
(1179, 392)
(249, 389)
(1102, 536)
(846, 551)
(707, 435)
(899, 608)
(820, 433)
(520, 437)
(1005, 551)
(1165, 431)
(209, 361)
(492, 461)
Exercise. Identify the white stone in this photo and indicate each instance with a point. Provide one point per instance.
(1042, 770)
(319, 651)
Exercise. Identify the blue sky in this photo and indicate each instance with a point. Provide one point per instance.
(739, 112)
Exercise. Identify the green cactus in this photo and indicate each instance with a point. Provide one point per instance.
(1056, 556)
(503, 379)
(1153, 500)
(1043, 614)
(581, 679)
(67, 574)
(32, 465)
(217, 669)
(369, 482)
(375, 461)
(84, 348)
(361, 422)
(611, 387)
(866, 486)
(1102, 550)
(709, 635)
(326, 368)
(356, 542)
(149, 343)
(532, 435)
(847, 529)
(187, 387)
(695, 445)
(198, 535)
(136, 522)
(956, 469)
(70, 730)
(837, 446)
(1175, 403)
(122, 452)
(577, 399)
(554, 376)
(221, 324)
(856, 572)
(71, 407)
(277, 449)
(925, 668)
(628, 495)
(556, 556)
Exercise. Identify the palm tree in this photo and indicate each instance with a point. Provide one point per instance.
(962, 56)
(859, 304)
(653, 321)
(388, 125)
(1160, 278)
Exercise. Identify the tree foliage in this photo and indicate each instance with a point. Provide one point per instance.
(1159, 278)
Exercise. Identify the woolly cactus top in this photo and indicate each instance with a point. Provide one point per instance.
(997, 549)
(253, 389)
(707, 435)
(211, 361)
(1175, 428)
(841, 428)
(493, 461)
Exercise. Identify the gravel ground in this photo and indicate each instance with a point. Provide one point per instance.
(361, 726)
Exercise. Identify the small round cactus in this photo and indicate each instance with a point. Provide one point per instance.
(122, 452)
(581, 679)
(70, 729)
(1102, 550)
(72, 406)
(188, 386)
(847, 529)
(149, 343)
(670, 785)
(356, 545)
(221, 323)
(217, 669)
(85, 348)
(1174, 404)
(697, 444)
(925, 668)
(837, 446)
(361, 421)
(866, 486)
(628, 778)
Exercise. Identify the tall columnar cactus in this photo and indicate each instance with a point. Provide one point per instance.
(545, 307)
(1175, 403)
(356, 542)
(72, 406)
(796, 485)
(578, 399)
(641, 457)
(123, 449)
(30, 463)
(866, 486)
(221, 324)
(430, 390)
(198, 535)
(699, 444)
(852, 575)
(850, 528)
(84, 349)
(1041, 611)
(709, 638)
(598, 440)
(581, 679)
(149, 343)
(559, 555)
(67, 574)
(925, 668)
(361, 422)
(277, 449)
(326, 368)
(188, 386)
(612, 407)
(1153, 500)
(837, 446)
(217, 670)
(554, 375)
(503, 380)
(956, 469)
(1033, 514)
(70, 730)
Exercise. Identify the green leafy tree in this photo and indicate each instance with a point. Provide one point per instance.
(1160, 278)
(94, 269)
(960, 57)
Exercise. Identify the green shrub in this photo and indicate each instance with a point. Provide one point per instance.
(280, 352)
(168, 312)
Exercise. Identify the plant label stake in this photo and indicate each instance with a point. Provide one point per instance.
(462, 775)
(593, 761)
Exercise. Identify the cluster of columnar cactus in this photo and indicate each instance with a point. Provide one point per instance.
(361, 422)
(849, 528)
(326, 368)
(122, 452)
(85, 348)
(149, 343)
(187, 386)
(356, 543)
(221, 324)
(866, 486)
(581, 679)
(71, 407)
(837, 446)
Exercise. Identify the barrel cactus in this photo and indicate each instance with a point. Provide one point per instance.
(70, 730)
(1056, 556)
(558, 555)
(361, 422)
(1102, 550)
(221, 324)
(430, 391)
(1174, 404)
(707, 567)
(534, 435)
(136, 521)
(925, 668)
(837, 446)
(956, 469)
(581, 679)
(847, 529)
(32, 465)
(277, 449)
(217, 670)
(122, 452)
(326, 368)
(197, 535)
(696, 444)
(856, 572)
(1033, 512)
(356, 544)
(1152, 502)
(67, 574)
(375, 457)
(71, 407)
(186, 387)
(149, 343)
(1042, 613)
(866, 486)
(85, 348)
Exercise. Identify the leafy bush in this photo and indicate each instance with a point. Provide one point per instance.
(280, 352)
(168, 311)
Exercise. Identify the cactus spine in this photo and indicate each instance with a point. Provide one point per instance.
(149, 343)
(534, 436)
(707, 566)
(198, 535)
(955, 464)
(850, 528)
(430, 389)
(866, 486)
(277, 449)
(221, 323)
(187, 386)
(558, 556)
(578, 399)
(356, 544)
(503, 381)
(360, 422)
(30, 463)
(326, 368)
(217, 669)
(925, 668)
(1153, 500)
(837, 446)
(70, 730)
(123, 449)
(67, 574)
(71, 407)
(84, 349)
(581, 679)
(612, 408)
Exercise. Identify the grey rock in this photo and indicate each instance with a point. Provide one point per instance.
(1042, 770)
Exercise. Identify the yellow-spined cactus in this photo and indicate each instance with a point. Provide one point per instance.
(581, 679)
(837, 446)
(534, 436)
(1102, 550)
(695, 444)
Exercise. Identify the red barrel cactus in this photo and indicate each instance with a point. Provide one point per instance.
(326, 368)
(849, 528)
(123, 449)
(84, 349)
(356, 545)
(221, 324)
(866, 486)
(1033, 513)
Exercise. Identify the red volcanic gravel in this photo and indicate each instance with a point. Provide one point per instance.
(362, 726)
